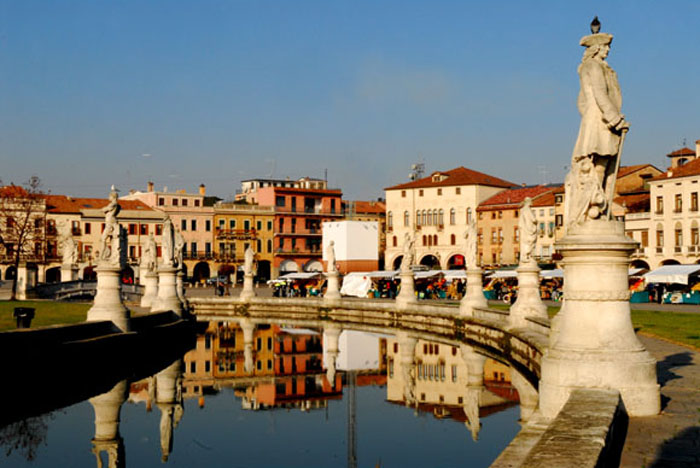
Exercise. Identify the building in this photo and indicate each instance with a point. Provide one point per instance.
(239, 225)
(436, 210)
(300, 208)
(355, 245)
(193, 215)
(369, 211)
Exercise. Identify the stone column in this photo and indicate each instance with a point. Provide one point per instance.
(69, 273)
(407, 294)
(527, 393)
(167, 291)
(26, 280)
(529, 302)
(333, 287)
(150, 292)
(331, 335)
(407, 362)
(107, 439)
(475, 386)
(108, 300)
(595, 345)
(474, 296)
(248, 328)
(248, 291)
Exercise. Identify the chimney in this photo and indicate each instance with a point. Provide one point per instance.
(697, 149)
(150, 186)
(202, 189)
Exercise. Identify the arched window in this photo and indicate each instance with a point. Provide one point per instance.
(430, 218)
(394, 241)
(435, 242)
(453, 239)
(441, 217)
(469, 215)
(418, 220)
(425, 218)
(453, 216)
(425, 241)
(406, 219)
(390, 219)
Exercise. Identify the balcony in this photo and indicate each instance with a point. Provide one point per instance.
(659, 250)
(298, 251)
(692, 249)
(198, 255)
(236, 233)
(307, 211)
(640, 252)
(300, 232)
(677, 249)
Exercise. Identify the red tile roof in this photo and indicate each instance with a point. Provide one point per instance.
(369, 207)
(65, 204)
(690, 168)
(13, 191)
(682, 152)
(546, 199)
(512, 198)
(627, 170)
(455, 177)
(634, 203)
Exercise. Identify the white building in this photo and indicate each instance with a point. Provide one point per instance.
(356, 244)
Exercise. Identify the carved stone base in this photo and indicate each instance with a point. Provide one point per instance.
(150, 293)
(248, 287)
(474, 297)
(108, 301)
(529, 303)
(167, 292)
(332, 288)
(594, 344)
(407, 294)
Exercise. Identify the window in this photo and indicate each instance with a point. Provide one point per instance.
(184, 202)
(678, 237)
(175, 201)
(269, 225)
(516, 213)
(279, 201)
(403, 194)
(259, 245)
(420, 192)
(493, 235)
(232, 224)
(645, 238)
(678, 203)
(281, 229)
(143, 229)
(161, 201)
(183, 225)
(559, 220)
(258, 225)
(458, 190)
(193, 248)
(418, 218)
(500, 214)
(493, 215)
(390, 220)
(193, 225)
(453, 216)
(441, 217)
(132, 229)
(516, 234)
(207, 225)
(694, 236)
(480, 235)
(159, 229)
(694, 201)
(269, 246)
(660, 238)
(500, 235)
(453, 239)
(469, 215)
(551, 212)
(196, 202)
(430, 218)
(480, 214)
(659, 205)
(394, 241)
(207, 248)
(439, 192)
(88, 228)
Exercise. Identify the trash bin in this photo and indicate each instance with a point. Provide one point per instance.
(24, 316)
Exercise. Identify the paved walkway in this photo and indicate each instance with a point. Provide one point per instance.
(671, 439)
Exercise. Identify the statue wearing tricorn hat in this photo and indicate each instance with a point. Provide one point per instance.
(591, 183)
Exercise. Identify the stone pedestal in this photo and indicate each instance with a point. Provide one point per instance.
(331, 334)
(150, 293)
(333, 287)
(248, 328)
(248, 287)
(26, 280)
(167, 291)
(595, 345)
(474, 296)
(529, 302)
(107, 439)
(108, 300)
(69, 273)
(407, 294)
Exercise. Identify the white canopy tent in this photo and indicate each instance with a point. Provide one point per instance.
(678, 274)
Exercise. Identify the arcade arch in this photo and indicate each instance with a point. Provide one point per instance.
(431, 261)
(201, 272)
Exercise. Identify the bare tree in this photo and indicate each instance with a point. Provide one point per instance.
(22, 224)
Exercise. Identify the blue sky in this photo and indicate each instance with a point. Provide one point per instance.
(186, 92)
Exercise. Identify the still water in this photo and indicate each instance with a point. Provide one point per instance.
(276, 401)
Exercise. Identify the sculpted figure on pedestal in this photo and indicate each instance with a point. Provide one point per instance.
(150, 253)
(179, 247)
(69, 248)
(168, 240)
(330, 258)
(590, 184)
(408, 252)
(527, 225)
(248, 261)
(472, 251)
(110, 242)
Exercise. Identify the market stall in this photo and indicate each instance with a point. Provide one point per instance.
(674, 284)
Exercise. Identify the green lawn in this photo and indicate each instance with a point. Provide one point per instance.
(47, 313)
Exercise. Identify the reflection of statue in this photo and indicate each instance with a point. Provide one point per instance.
(527, 225)
(150, 254)
(472, 250)
(330, 258)
(166, 431)
(168, 239)
(249, 258)
(471, 411)
(408, 252)
(179, 249)
(600, 135)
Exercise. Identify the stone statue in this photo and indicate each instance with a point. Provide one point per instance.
(408, 252)
(472, 251)
(179, 249)
(330, 258)
(167, 243)
(527, 225)
(248, 261)
(111, 239)
(150, 254)
(596, 155)
(69, 248)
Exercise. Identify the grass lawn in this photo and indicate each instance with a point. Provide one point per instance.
(47, 313)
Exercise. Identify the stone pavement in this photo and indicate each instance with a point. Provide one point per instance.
(671, 439)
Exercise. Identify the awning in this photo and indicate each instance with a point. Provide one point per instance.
(672, 274)
(635, 271)
(296, 276)
(504, 274)
(555, 273)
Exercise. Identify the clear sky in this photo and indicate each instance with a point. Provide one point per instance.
(97, 92)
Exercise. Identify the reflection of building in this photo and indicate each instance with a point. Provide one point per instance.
(436, 210)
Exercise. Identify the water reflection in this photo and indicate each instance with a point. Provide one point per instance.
(273, 367)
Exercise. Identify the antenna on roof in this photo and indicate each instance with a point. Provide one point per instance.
(417, 171)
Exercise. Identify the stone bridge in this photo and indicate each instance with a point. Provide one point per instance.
(68, 290)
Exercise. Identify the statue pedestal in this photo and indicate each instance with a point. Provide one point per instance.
(333, 287)
(167, 291)
(529, 302)
(248, 287)
(594, 345)
(407, 294)
(150, 293)
(331, 334)
(69, 273)
(107, 408)
(108, 300)
(248, 328)
(474, 296)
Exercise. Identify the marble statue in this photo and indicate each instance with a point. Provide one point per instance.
(330, 258)
(595, 160)
(167, 245)
(111, 240)
(249, 258)
(150, 254)
(179, 248)
(527, 226)
(408, 252)
(472, 252)
(69, 248)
